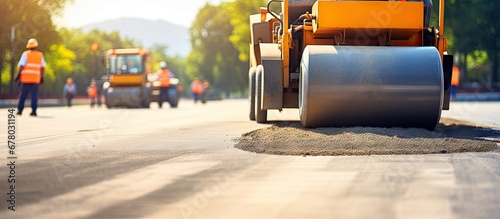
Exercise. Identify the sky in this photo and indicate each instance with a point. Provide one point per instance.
(83, 12)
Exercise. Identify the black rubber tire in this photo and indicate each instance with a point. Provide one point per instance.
(260, 115)
(146, 97)
(203, 97)
(174, 104)
(251, 92)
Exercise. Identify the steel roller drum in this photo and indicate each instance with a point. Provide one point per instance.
(124, 96)
(345, 86)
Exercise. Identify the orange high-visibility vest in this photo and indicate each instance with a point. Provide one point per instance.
(455, 76)
(197, 87)
(164, 78)
(32, 70)
(92, 92)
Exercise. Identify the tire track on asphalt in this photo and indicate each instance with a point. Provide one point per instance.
(87, 200)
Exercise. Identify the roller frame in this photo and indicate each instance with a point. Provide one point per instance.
(280, 89)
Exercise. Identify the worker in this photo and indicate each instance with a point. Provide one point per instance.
(164, 75)
(92, 94)
(455, 80)
(196, 89)
(69, 91)
(427, 10)
(93, 79)
(206, 84)
(132, 67)
(30, 75)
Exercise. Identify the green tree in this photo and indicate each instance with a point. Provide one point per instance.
(213, 56)
(239, 12)
(60, 64)
(25, 19)
(475, 26)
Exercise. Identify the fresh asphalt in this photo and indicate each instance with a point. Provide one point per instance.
(181, 163)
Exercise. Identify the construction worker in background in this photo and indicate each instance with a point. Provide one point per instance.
(455, 80)
(92, 93)
(164, 75)
(69, 91)
(205, 84)
(98, 90)
(30, 75)
(196, 89)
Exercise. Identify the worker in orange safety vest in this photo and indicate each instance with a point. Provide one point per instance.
(206, 85)
(92, 94)
(196, 89)
(30, 75)
(164, 75)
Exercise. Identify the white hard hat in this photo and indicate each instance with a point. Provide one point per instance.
(163, 65)
(32, 43)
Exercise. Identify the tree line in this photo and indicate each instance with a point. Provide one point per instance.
(219, 41)
(474, 26)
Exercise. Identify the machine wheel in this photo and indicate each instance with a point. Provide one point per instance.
(145, 100)
(173, 99)
(106, 102)
(145, 104)
(260, 115)
(251, 92)
(174, 104)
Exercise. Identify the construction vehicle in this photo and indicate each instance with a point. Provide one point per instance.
(127, 83)
(349, 63)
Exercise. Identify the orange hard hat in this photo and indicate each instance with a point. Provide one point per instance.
(32, 43)
(69, 80)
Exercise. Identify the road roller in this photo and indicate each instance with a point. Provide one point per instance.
(127, 83)
(350, 63)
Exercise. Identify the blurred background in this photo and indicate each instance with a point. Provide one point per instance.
(207, 39)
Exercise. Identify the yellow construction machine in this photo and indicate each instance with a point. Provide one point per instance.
(350, 63)
(127, 84)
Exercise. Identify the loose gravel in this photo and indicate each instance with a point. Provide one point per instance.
(290, 138)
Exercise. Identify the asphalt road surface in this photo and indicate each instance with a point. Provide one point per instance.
(181, 163)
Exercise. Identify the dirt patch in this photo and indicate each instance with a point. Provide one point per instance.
(290, 138)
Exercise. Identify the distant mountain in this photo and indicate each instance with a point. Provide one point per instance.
(148, 33)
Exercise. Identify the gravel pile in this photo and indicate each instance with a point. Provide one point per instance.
(290, 138)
